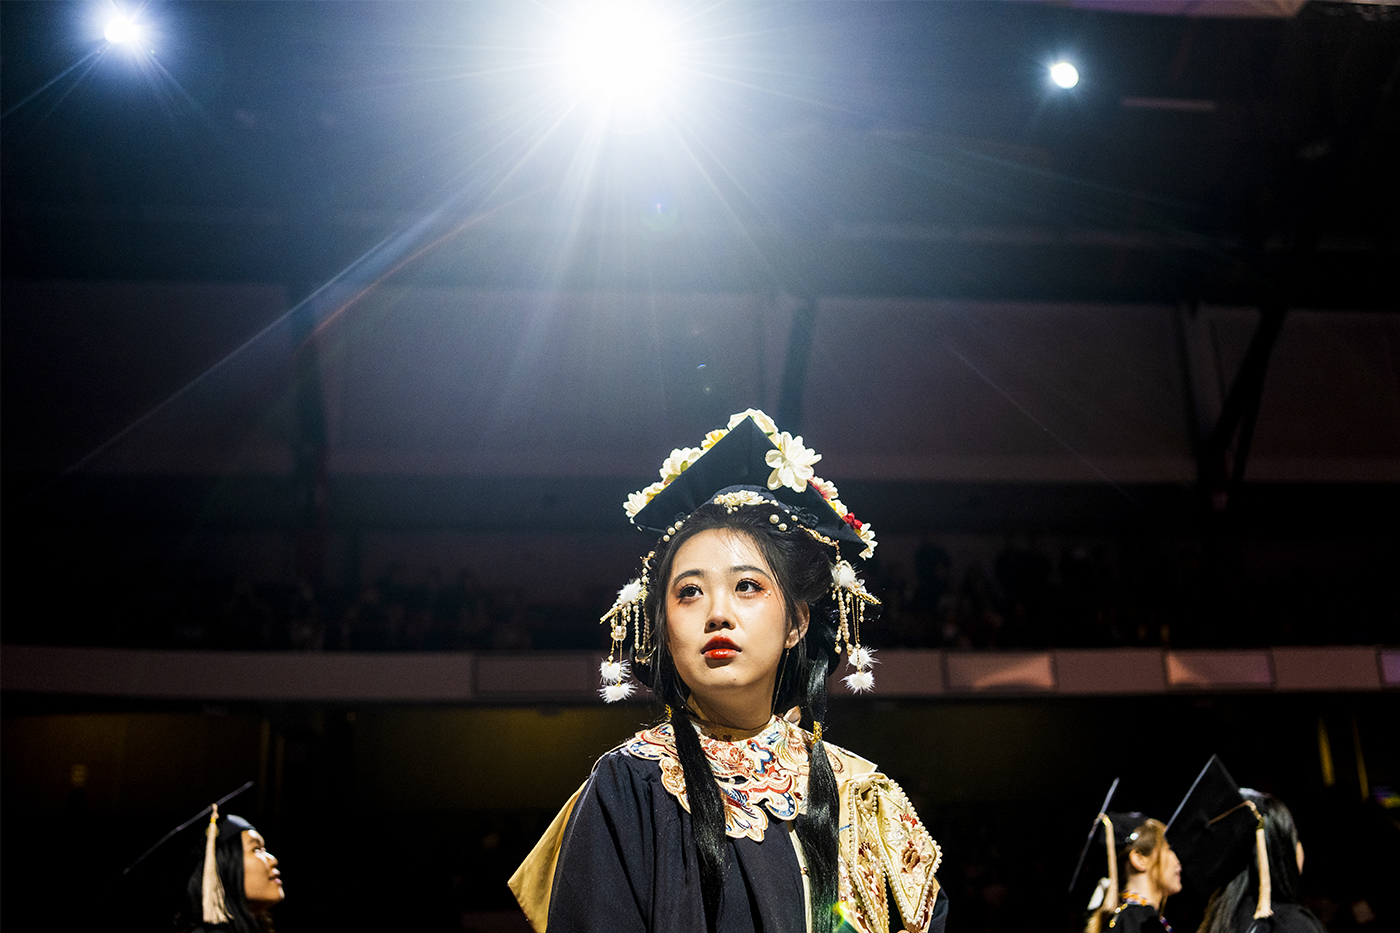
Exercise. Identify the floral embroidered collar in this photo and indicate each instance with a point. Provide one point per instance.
(759, 776)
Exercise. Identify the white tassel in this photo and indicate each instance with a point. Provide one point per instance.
(613, 671)
(861, 658)
(211, 889)
(621, 691)
(629, 593)
(1100, 894)
(859, 682)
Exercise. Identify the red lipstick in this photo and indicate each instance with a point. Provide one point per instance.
(719, 647)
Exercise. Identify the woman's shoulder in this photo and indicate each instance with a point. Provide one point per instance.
(621, 763)
(1134, 918)
(847, 764)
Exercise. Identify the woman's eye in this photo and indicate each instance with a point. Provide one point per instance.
(749, 586)
(688, 591)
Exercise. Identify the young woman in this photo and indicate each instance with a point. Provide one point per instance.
(728, 815)
(1234, 908)
(236, 882)
(1144, 873)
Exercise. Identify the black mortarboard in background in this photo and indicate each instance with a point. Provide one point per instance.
(197, 818)
(738, 459)
(1212, 830)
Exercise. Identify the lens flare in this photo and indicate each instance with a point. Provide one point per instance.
(1064, 74)
(122, 30)
(622, 54)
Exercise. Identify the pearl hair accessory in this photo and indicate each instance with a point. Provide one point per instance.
(628, 610)
(851, 597)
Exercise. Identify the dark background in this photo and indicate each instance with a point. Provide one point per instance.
(333, 326)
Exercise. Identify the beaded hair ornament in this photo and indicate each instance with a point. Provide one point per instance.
(748, 464)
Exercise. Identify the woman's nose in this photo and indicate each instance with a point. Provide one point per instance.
(719, 616)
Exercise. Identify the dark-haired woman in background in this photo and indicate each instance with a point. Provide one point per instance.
(237, 888)
(728, 816)
(1233, 908)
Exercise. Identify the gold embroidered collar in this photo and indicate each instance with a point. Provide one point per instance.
(759, 776)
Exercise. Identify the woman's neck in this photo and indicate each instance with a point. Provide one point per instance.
(1143, 887)
(736, 718)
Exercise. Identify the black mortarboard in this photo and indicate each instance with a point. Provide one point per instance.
(190, 822)
(1215, 831)
(1212, 830)
(739, 459)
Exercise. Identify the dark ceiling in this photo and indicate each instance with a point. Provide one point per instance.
(820, 149)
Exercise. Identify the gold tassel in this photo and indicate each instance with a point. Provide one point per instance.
(1265, 907)
(211, 888)
(1110, 901)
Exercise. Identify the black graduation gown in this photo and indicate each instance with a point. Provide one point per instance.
(1138, 918)
(626, 865)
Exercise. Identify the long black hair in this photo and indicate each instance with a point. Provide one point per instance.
(802, 568)
(228, 859)
(1281, 847)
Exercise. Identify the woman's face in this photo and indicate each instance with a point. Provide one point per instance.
(727, 625)
(262, 882)
(1170, 877)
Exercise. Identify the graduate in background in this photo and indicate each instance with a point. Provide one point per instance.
(1243, 845)
(236, 882)
(1142, 871)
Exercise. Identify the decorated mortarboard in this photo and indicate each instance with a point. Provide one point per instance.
(1213, 830)
(1109, 832)
(751, 452)
(748, 463)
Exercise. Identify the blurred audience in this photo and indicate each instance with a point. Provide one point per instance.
(1089, 594)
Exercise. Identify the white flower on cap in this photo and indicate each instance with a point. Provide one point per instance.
(680, 460)
(765, 423)
(867, 534)
(791, 462)
(827, 489)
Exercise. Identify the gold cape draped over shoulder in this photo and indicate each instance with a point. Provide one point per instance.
(880, 838)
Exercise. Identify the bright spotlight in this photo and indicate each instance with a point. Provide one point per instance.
(121, 30)
(1064, 74)
(622, 53)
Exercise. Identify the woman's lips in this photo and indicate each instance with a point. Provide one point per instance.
(720, 648)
